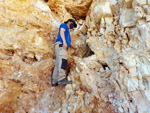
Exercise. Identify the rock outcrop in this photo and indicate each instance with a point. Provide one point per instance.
(110, 73)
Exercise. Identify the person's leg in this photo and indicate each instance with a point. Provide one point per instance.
(62, 63)
(55, 72)
(62, 67)
(59, 75)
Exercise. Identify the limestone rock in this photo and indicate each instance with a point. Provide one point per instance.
(128, 41)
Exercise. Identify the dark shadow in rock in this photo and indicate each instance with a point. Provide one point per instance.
(88, 52)
(105, 66)
(29, 60)
(45, 0)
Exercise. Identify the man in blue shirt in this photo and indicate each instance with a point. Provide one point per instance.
(63, 42)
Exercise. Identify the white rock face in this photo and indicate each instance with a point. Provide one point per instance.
(124, 47)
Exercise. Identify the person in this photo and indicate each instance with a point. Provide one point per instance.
(63, 42)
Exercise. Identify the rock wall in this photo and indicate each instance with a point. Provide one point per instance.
(110, 73)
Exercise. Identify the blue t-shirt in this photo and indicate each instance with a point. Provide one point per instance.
(67, 35)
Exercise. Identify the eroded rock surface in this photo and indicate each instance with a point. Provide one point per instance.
(110, 73)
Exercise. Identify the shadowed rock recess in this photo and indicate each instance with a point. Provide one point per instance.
(111, 73)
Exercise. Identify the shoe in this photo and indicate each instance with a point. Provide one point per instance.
(56, 84)
(64, 82)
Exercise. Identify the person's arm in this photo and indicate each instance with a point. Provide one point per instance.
(74, 47)
(62, 34)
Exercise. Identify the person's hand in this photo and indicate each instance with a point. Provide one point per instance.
(76, 51)
(65, 45)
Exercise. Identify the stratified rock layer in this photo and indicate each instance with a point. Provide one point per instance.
(110, 73)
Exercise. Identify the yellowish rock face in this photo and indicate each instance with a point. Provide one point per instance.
(75, 8)
(10, 93)
(25, 38)
(110, 73)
